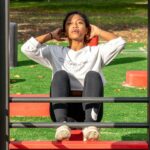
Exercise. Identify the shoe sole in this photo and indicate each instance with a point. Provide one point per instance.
(62, 134)
(90, 134)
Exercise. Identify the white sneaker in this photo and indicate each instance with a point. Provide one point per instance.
(90, 133)
(63, 133)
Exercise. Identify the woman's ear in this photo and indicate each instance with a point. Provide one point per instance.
(65, 34)
(87, 38)
(89, 31)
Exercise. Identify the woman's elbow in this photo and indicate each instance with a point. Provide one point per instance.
(121, 48)
(23, 49)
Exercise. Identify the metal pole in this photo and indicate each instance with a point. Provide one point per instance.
(4, 119)
(148, 70)
(78, 124)
(81, 99)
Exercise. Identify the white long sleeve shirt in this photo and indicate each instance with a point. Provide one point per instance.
(76, 63)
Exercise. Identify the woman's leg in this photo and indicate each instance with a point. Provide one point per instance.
(60, 87)
(93, 87)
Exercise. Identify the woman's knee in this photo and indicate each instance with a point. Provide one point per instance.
(60, 85)
(61, 75)
(93, 76)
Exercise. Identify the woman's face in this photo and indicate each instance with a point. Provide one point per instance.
(75, 28)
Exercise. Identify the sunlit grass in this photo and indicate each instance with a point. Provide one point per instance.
(108, 14)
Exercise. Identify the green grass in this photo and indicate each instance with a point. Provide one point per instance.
(105, 134)
(112, 14)
(29, 77)
(31, 133)
(28, 72)
(98, 6)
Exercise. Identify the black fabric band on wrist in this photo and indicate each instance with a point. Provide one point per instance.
(51, 35)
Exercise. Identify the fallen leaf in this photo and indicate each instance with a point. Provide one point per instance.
(142, 49)
(12, 139)
(10, 86)
(18, 93)
(117, 90)
(40, 77)
(17, 76)
(32, 66)
(142, 88)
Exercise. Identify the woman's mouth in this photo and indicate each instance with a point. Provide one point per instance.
(75, 31)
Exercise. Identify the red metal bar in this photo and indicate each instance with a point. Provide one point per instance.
(79, 145)
(30, 109)
(76, 143)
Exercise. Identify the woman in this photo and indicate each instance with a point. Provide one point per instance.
(77, 70)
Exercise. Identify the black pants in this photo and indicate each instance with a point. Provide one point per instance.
(80, 112)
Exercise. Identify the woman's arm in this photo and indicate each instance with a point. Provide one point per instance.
(95, 31)
(107, 35)
(39, 52)
(44, 38)
(111, 48)
(55, 34)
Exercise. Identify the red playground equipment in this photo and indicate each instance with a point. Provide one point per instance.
(76, 140)
(136, 78)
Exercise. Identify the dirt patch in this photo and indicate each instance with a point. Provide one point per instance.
(138, 35)
(33, 23)
(134, 35)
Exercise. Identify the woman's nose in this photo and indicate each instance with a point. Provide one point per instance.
(75, 25)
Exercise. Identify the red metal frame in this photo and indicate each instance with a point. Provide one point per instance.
(76, 143)
(79, 145)
(29, 109)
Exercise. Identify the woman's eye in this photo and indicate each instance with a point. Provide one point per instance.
(80, 22)
(69, 23)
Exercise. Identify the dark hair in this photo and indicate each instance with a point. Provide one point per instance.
(85, 18)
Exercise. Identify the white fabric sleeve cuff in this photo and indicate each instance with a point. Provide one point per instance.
(118, 40)
(31, 45)
(34, 42)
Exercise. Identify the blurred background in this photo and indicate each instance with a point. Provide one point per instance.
(127, 18)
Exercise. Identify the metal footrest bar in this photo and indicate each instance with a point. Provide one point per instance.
(78, 145)
(77, 125)
(80, 99)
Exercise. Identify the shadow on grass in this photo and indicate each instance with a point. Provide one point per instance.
(136, 136)
(84, 4)
(126, 60)
(117, 61)
(12, 81)
(26, 63)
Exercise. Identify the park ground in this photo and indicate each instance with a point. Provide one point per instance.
(127, 18)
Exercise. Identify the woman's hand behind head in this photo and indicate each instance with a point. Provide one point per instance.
(94, 31)
(58, 34)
